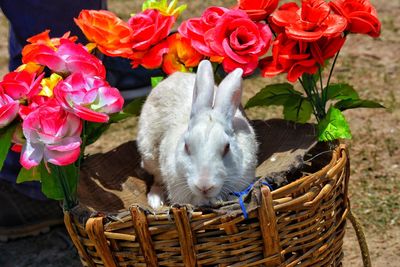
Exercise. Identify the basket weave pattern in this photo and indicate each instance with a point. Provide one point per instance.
(300, 224)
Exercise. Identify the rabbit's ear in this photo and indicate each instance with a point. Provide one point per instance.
(229, 94)
(203, 93)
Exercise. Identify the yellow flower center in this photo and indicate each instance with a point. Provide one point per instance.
(48, 84)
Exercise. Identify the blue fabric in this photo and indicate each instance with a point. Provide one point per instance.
(121, 75)
(244, 193)
(30, 17)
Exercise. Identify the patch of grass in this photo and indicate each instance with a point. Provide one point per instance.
(376, 199)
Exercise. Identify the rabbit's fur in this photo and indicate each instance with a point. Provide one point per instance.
(200, 152)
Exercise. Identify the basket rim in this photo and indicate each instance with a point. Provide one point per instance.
(338, 159)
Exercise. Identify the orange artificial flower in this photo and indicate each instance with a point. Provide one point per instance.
(31, 67)
(112, 35)
(181, 55)
(43, 40)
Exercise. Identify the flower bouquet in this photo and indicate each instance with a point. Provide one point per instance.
(51, 107)
(305, 42)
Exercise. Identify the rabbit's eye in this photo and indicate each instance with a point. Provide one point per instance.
(187, 150)
(226, 149)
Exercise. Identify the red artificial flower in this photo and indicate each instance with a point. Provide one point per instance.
(326, 48)
(258, 10)
(149, 28)
(181, 55)
(239, 40)
(360, 14)
(288, 56)
(297, 57)
(21, 84)
(195, 29)
(112, 36)
(17, 140)
(309, 23)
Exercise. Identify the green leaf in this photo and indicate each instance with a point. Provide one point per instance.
(94, 130)
(333, 126)
(5, 142)
(297, 109)
(117, 117)
(340, 91)
(32, 174)
(135, 106)
(156, 80)
(51, 185)
(61, 183)
(274, 94)
(356, 103)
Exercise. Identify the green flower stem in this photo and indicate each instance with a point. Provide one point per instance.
(324, 96)
(83, 146)
(69, 197)
(321, 84)
(310, 98)
(314, 88)
(310, 87)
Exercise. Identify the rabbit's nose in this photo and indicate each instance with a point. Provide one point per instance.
(204, 188)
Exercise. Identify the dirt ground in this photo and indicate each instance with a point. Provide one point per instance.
(373, 67)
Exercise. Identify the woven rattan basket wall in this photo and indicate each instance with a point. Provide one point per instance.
(299, 224)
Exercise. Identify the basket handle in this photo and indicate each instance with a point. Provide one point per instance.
(354, 221)
(361, 238)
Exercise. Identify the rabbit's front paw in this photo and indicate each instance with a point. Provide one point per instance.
(216, 201)
(155, 197)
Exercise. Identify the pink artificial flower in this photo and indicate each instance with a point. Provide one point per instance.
(52, 135)
(239, 40)
(195, 29)
(149, 28)
(67, 58)
(33, 104)
(21, 84)
(88, 97)
(8, 109)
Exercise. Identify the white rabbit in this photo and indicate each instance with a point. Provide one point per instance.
(199, 147)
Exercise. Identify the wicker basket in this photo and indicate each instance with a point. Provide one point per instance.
(299, 224)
